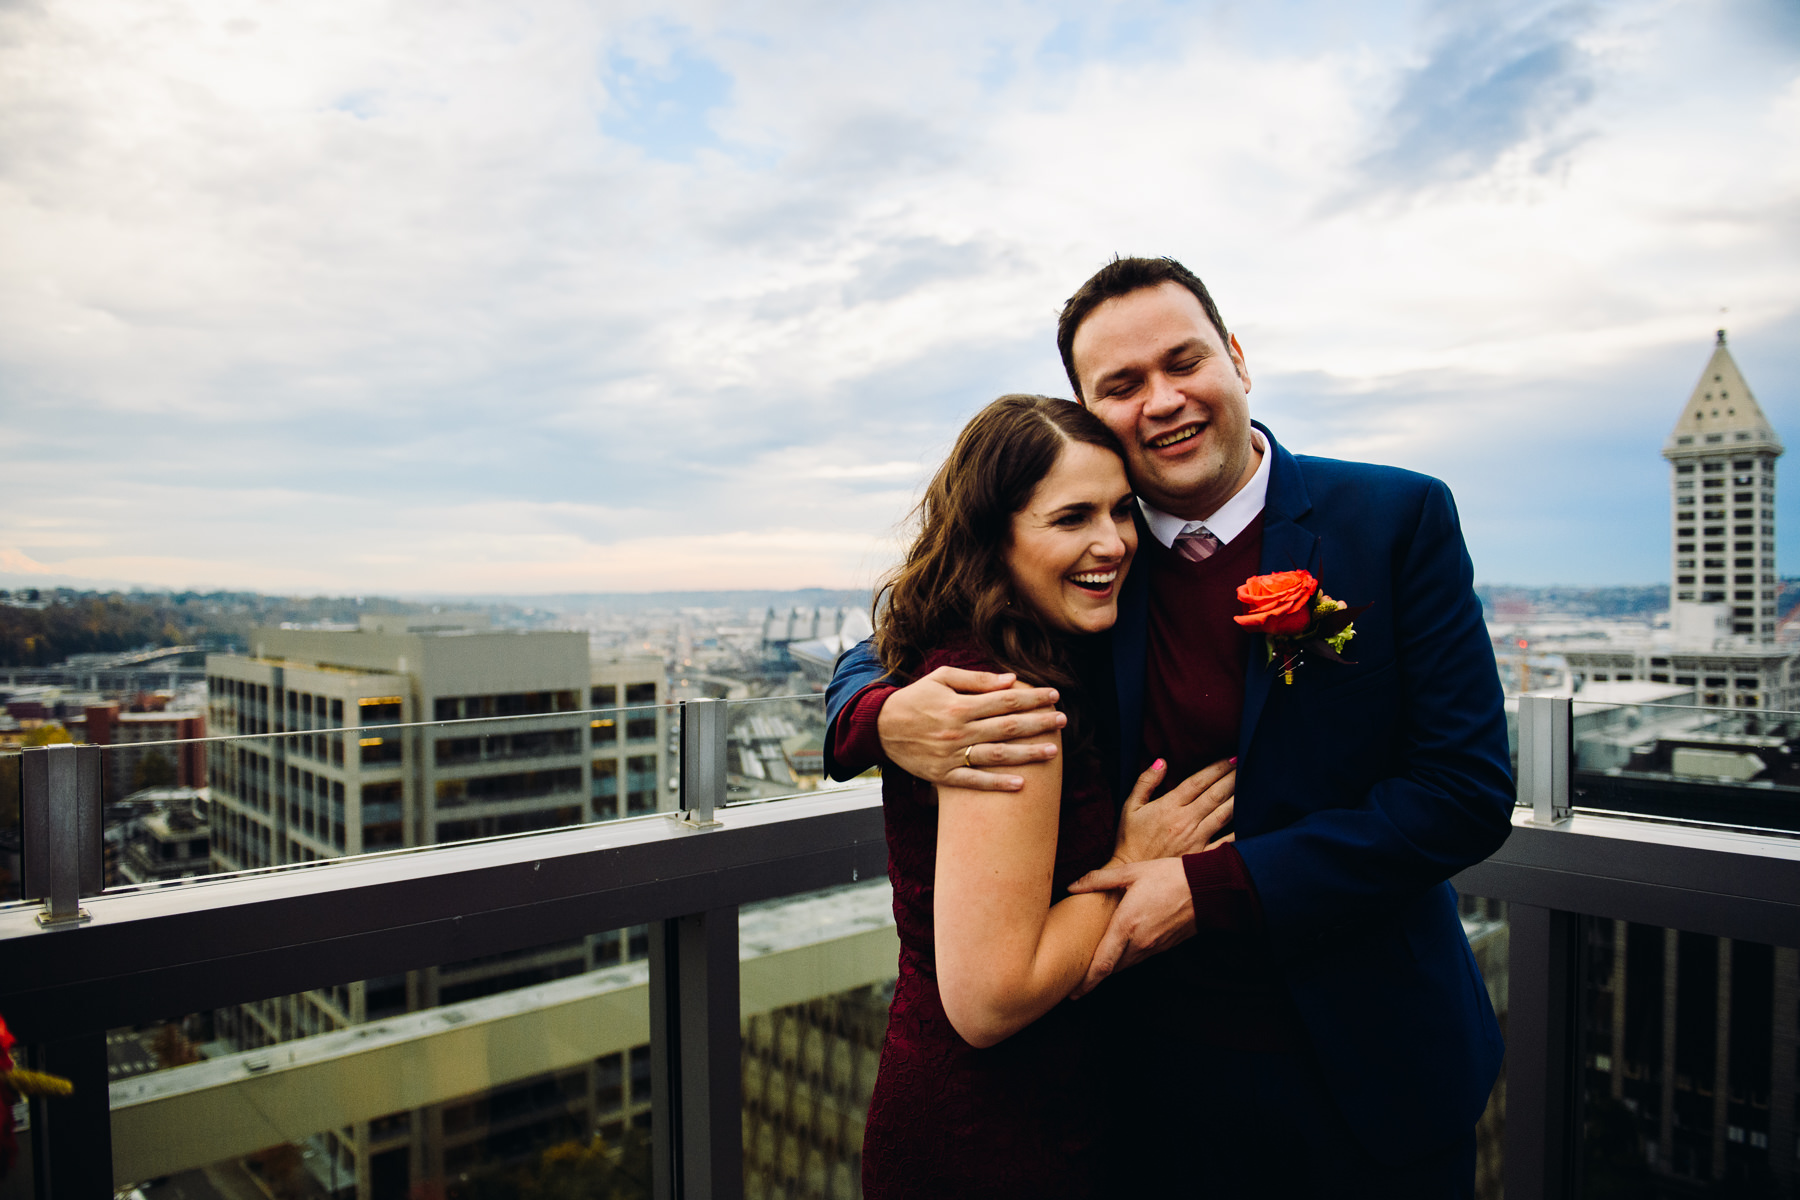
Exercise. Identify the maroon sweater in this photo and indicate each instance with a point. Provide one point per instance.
(1193, 710)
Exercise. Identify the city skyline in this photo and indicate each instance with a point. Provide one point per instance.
(545, 300)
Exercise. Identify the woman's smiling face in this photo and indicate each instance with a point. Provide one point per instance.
(1073, 541)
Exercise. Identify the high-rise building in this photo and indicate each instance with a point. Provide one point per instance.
(393, 778)
(1721, 637)
(1722, 456)
(629, 748)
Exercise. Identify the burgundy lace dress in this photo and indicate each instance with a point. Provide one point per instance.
(1024, 1118)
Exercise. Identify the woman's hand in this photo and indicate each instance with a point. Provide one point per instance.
(1188, 819)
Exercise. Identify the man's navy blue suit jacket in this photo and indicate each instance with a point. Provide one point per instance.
(1361, 790)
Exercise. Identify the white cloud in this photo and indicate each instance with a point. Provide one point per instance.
(348, 297)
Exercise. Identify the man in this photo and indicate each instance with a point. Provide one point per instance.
(1319, 1027)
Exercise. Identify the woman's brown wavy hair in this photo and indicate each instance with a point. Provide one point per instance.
(954, 581)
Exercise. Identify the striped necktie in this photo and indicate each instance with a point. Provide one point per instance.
(1196, 545)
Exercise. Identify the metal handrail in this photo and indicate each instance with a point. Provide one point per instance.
(149, 954)
(1560, 864)
(104, 960)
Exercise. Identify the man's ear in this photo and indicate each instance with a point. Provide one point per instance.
(1237, 361)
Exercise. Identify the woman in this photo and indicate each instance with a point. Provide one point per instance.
(989, 1084)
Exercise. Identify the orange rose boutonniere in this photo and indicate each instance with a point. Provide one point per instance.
(1294, 615)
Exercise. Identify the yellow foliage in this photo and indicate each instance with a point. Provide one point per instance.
(36, 1083)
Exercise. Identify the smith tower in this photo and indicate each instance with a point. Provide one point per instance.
(1722, 456)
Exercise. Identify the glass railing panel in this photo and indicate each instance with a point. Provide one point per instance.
(194, 808)
(817, 976)
(512, 1074)
(775, 747)
(1735, 766)
(1688, 1049)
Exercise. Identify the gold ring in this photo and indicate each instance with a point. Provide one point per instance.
(966, 761)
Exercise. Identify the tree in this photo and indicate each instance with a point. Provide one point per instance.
(48, 734)
(172, 1049)
(152, 771)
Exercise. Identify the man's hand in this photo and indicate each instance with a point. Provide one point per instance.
(925, 727)
(1156, 912)
(1186, 819)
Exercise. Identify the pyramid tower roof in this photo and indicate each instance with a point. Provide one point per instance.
(1721, 404)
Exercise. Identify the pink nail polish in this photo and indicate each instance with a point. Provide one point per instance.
(1234, 762)
(1158, 765)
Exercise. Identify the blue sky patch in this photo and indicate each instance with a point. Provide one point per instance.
(663, 108)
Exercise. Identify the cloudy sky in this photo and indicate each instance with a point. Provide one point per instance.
(413, 297)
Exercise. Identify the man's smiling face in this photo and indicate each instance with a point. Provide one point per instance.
(1156, 371)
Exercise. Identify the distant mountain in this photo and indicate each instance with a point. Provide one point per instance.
(625, 603)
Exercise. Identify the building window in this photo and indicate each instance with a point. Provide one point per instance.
(640, 784)
(380, 751)
(498, 747)
(603, 732)
(640, 693)
(378, 710)
(508, 704)
(521, 785)
(641, 727)
(606, 787)
(603, 695)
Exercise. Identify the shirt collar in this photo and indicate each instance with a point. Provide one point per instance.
(1232, 517)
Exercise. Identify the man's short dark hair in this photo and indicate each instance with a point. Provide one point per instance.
(1117, 278)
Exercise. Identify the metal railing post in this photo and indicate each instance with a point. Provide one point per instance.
(61, 786)
(1546, 980)
(1545, 724)
(703, 749)
(71, 1136)
(1543, 1054)
(696, 1090)
(695, 1085)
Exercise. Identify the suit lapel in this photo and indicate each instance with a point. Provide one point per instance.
(1287, 546)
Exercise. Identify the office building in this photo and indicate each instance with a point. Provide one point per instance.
(628, 748)
(1721, 641)
(510, 746)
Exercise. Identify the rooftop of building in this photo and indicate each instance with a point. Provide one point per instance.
(1721, 414)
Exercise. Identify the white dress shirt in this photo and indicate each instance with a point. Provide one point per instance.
(1232, 517)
